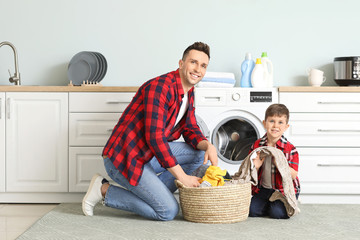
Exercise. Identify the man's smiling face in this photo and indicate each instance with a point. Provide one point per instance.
(193, 68)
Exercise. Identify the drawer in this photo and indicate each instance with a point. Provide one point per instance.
(321, 102)
(205, 97)
(91, 129)
(329, 170)
(84, 162)
(99, 102)
(324, 129)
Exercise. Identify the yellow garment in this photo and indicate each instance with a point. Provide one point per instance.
(214, 175)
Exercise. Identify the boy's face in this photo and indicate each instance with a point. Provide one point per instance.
(275, 126)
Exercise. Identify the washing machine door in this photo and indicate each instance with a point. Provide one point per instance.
(203, 127)
(234, 134)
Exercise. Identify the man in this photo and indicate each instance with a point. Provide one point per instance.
(140, 154)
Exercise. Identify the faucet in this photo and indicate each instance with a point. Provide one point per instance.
(16, 78)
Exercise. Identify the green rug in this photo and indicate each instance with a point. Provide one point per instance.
(67, 221)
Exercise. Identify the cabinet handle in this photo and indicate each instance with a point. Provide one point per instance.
(337, 130)
(338, 102)
(337, 165)
(113, 101)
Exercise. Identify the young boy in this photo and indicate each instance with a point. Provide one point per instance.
(269, 178)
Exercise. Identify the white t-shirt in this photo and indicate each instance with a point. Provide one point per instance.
(183, 108)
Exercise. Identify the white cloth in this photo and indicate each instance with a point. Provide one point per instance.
(214, 85)
(183, 108)
(219, 75)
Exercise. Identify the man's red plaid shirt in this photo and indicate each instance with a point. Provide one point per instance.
(147, 125)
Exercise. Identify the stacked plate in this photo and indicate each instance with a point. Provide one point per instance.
(87, 67)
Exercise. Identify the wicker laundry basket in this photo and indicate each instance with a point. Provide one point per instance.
(223, 204)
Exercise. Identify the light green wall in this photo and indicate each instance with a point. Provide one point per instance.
(145, 38)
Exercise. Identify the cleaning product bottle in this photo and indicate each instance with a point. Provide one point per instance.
(247, 67)
(258, 75)
(268, 68)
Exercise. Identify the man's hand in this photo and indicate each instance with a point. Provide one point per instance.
(190, 181)
(210, 152)
(187, 180)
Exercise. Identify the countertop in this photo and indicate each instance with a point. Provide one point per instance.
(24, 88)
(318, 89)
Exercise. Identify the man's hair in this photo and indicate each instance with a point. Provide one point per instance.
(278, 110)
(200, 46)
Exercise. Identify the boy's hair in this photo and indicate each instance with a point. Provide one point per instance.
(278, 110)
(202, 47)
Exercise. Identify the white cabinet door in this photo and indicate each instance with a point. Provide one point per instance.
(99, 101)
(324, 129)
(37, 142)
(2, 142)
(91, 129)
(321, 102)
(84, 162)
(329, 170)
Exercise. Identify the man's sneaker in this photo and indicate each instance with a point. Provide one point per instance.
(93, 195)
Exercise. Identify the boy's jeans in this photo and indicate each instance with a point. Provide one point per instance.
(261, 206)
(153, 197)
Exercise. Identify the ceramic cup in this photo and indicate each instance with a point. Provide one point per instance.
(316, 77)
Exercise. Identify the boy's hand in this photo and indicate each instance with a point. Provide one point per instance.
(257, 161)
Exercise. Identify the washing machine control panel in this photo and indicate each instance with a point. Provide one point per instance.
(260, 96)
(236, 96)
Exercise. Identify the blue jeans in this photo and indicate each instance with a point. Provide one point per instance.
(261, 206)
(153, 197)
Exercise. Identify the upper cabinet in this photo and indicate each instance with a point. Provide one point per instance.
(36, 142)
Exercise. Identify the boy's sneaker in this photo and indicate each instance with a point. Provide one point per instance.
(93, 195)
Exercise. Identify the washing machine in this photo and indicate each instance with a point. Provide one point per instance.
(231, 119)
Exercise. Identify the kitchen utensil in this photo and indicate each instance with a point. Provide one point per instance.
(79, 71)
(88, 67)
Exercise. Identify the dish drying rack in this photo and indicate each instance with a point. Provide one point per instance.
(86, 83)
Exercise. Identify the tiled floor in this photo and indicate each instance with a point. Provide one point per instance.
(16, 218)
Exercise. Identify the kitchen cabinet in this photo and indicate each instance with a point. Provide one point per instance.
(36, 142)
(2, 142)
(92, 118)
(51, 139)
(325, 128)
(330, 170)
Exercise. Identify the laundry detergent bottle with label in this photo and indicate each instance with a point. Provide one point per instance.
(268, 69)
(258, 78)
(247, 67)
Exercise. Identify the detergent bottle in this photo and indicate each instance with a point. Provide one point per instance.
(258, 75)
(247, 67)
(268, 69)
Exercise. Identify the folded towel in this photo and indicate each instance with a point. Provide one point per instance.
(214, 85)
(219, 80)
(219, 75)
